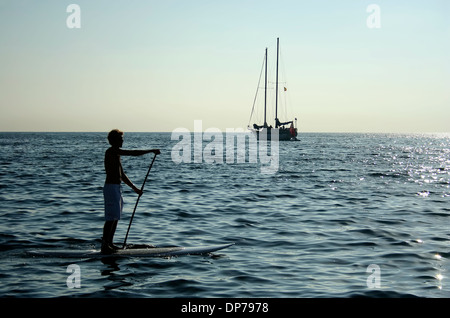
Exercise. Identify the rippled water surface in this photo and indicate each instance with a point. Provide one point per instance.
(337, 204)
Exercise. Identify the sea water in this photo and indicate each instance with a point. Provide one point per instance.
(343, 215)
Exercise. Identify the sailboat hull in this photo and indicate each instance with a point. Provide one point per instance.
(284, 134)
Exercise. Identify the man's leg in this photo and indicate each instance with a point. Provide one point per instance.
(113, 231)
(108, 234)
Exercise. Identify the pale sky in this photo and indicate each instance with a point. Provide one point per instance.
(159, 65)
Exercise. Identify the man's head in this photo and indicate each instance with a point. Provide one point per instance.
(115, 137)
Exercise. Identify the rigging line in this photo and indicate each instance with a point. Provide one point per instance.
(257, 88)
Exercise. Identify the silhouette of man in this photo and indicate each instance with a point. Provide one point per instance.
(112, 191)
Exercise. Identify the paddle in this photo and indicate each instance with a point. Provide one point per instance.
(137, 201)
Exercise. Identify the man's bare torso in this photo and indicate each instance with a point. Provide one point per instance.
(113, 166)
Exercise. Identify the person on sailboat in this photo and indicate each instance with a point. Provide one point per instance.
(292, 130)
(112, 191)
(279, 124)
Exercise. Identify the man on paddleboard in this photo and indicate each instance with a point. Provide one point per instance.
(112, 191)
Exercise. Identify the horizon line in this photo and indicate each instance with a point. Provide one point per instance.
(169, 132)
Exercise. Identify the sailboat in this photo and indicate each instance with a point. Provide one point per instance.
(286, 130)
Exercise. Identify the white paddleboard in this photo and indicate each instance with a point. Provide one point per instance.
(133, 252)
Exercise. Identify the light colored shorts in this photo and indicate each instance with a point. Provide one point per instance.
(112, 193)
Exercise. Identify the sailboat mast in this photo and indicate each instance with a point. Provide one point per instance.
(276, 87)
(265, 95)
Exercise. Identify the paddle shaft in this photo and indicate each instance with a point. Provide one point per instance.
(137, 201)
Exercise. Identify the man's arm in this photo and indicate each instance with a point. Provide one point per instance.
(128, 182)
(123, 152)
